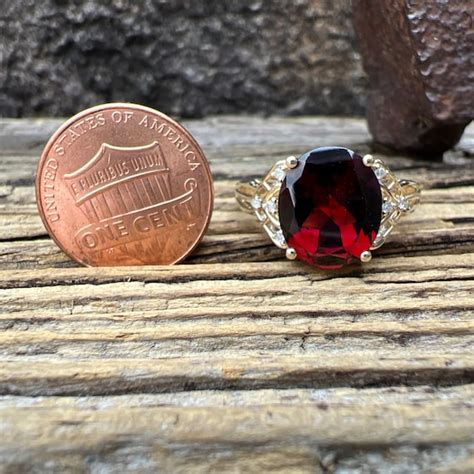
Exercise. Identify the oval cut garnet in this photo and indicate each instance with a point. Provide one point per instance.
(330, 207)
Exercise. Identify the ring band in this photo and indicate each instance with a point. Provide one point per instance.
(329, 207)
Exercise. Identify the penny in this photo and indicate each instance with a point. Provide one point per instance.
(123, 184)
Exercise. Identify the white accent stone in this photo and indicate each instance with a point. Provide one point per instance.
(256, 203)
(381, 173)
(270, 206)
(279, 174)
(403, 204)
(387, 207)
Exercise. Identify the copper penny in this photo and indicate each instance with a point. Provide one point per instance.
(123, 184)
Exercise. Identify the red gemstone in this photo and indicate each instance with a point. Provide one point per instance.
(330, 207)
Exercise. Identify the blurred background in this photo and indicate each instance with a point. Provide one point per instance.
(185, 57)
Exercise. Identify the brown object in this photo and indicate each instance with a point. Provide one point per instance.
(419, 56)
(240, 361)
(123, 184)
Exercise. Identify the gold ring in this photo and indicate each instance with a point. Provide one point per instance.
(330, 207)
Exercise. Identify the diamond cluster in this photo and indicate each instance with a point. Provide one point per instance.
(399, 198)
(265, 202)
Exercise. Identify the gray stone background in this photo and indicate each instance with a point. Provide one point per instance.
(185, 57)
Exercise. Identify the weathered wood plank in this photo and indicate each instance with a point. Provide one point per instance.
(392, 314)
(393, 269)
(222, 364)
(419, 429)
(238, 371)
(27, 136)
(442, 224)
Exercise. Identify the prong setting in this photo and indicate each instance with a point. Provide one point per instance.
(368, 160)
(292, 162)
(366, 256)
(290, 253)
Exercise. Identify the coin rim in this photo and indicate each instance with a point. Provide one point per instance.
(118, 105)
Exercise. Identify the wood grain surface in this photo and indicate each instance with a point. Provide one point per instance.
(238, 360)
